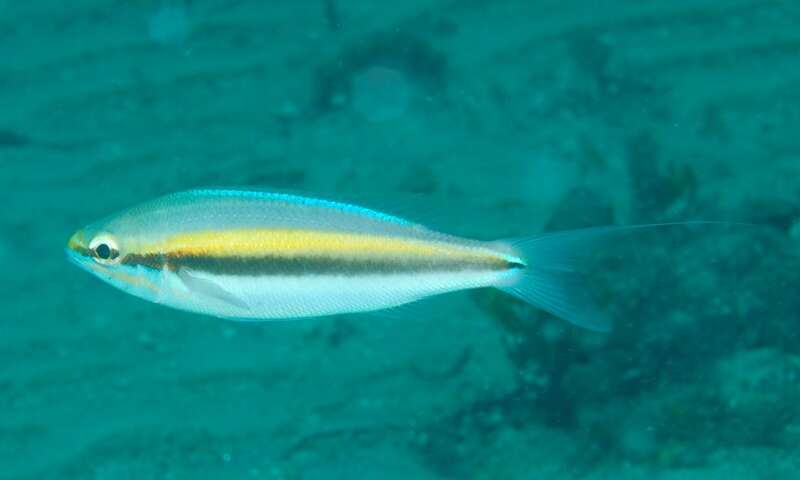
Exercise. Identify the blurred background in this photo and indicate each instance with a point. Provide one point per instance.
(482, 118)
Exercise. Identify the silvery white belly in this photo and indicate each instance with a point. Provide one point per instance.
(273, 297)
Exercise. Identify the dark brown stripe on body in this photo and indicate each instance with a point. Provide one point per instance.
(153, 261)
(315, 265)
(299, 266)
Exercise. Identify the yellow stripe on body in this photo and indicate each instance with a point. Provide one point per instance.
(305, 243)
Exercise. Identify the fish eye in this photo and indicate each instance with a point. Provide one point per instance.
(104, 249)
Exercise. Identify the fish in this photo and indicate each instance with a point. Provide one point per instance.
(250, 255)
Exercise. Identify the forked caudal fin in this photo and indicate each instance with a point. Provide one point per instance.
(554, 277)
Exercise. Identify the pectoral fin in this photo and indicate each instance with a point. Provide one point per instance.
(209, 288)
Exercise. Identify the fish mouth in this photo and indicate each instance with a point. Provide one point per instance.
(77, 259)
(73, 255)
(78, 253)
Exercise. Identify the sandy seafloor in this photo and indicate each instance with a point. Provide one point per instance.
(484, 118)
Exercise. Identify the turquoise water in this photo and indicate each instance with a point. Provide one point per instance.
(486, 119)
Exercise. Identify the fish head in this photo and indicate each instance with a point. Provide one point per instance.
(110, 254)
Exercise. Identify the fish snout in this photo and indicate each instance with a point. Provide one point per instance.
(77, 244)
